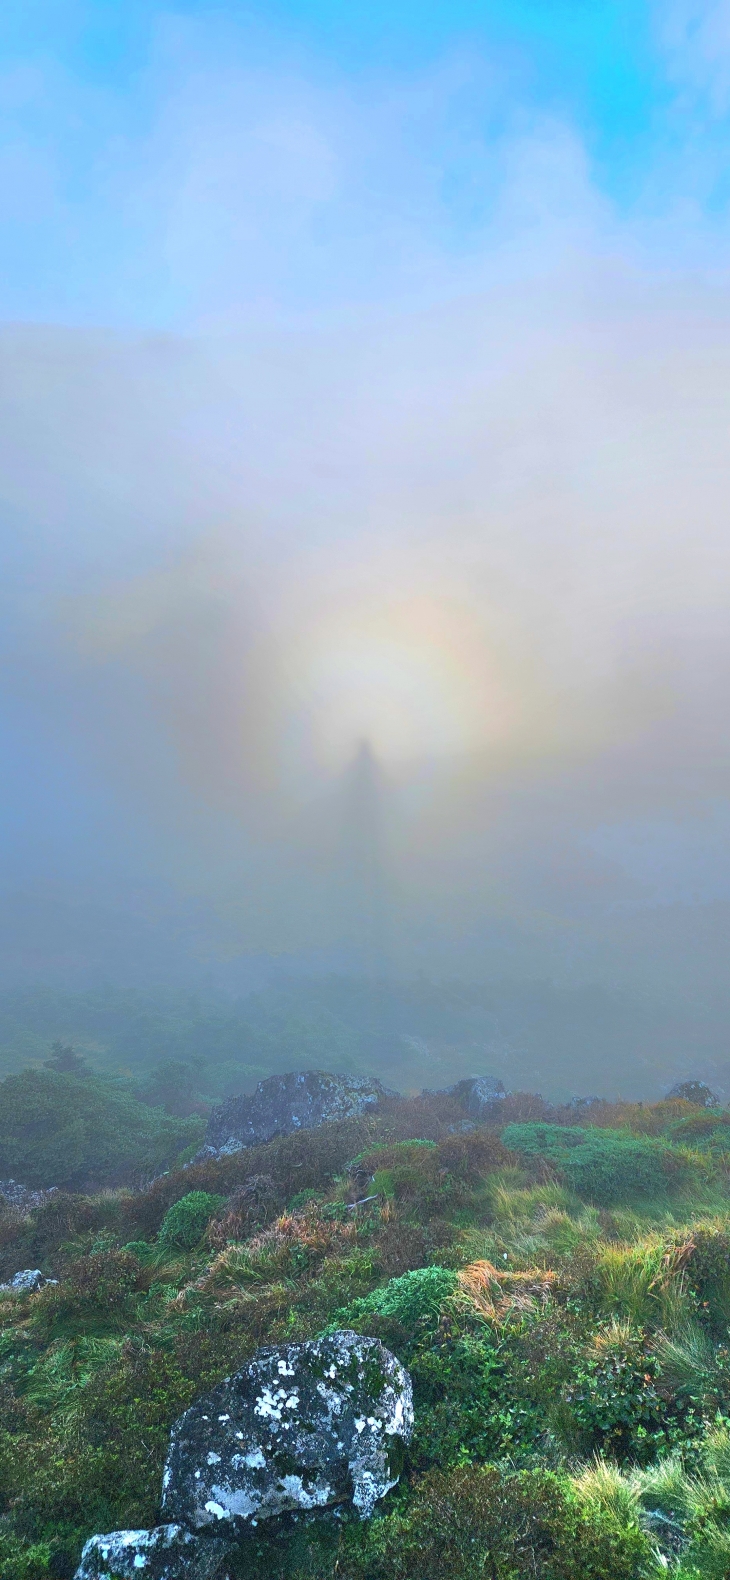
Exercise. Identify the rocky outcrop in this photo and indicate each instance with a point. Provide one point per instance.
(479, 1095)
(27, 1282)
(21, 1197)
(302, 1427)
(286, 1103)
(169, 1552)
(697, 1092)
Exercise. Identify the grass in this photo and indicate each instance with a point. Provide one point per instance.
(566, 1355)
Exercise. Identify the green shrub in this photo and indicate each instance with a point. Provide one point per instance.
(604, 1166)
(415, 1299)
(609, 1167)
(708, 1275)
(464, 1411)
(67, 1130)
(186, 1221)
(615, 1401)
(543, 1141)
(19, 1561)
(474, 1523)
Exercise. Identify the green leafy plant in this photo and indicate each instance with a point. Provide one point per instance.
(414, 1299)
(474, 1523)
(604, 1166)
(186, 1221)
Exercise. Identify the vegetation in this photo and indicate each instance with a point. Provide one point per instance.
(185, 1051)
(565, 1324)
(72, 1129)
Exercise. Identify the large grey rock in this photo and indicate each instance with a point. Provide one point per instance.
(697, 1092)
(22, 1197)
(27, 1282)
(285, 1103)
(302, 1427)
(169, 1552)
(479, 1095)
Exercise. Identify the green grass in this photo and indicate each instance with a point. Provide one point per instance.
(576, 1375)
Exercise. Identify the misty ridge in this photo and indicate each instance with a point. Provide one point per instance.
(184, 1052)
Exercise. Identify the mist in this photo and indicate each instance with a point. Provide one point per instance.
(364, 515)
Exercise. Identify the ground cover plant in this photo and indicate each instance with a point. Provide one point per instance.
(565, 1324)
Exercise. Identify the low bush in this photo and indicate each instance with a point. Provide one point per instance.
(185, 1223)
(614, 1400)
(414, 1300)
(475, 1523)
(603, 1166)
(76, 1131)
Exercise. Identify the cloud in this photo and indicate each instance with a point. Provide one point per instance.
(434, 456)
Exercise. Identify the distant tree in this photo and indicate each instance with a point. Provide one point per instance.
(66, 1060)
(174, 1086)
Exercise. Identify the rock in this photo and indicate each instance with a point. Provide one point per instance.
(22, 1197)
(27, 1282)
(669, 1534)
(302, 1427)
(168, 1552)
(697, 1092)
(285, 1103)
(479, 1095)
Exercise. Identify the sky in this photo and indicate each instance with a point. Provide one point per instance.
(363, 491)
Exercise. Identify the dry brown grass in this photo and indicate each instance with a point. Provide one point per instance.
(498, 1295)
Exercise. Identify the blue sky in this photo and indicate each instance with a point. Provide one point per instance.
(103, 102)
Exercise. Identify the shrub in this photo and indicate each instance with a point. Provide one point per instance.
(604, 1166)
(60, 1129)
(18, 1561)
(184, 1223)
(459, 1393)
(614, 1400)
(474, 1523)
(414, 1299)
(708, 1275)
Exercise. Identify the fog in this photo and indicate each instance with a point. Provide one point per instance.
(366, 574)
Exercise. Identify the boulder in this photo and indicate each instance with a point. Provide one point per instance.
(695, 1092)
(479, 1095)
(22, 1198)
(168, 1552)
(285, 1103)
(27, 1282)
(302, 1427)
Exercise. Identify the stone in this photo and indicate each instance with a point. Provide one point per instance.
(22, 1198)
(302, 1427)
(479, 1095)
(27, 1282)
(169, 1552)
(286, 1103)
(697, 1092)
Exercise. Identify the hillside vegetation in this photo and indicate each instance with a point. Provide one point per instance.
(185, 1051)
(560, 1293)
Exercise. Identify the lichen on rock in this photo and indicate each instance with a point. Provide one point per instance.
(27, 1282)
(168, 1552)
(283, 1104)
(302, 1427)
